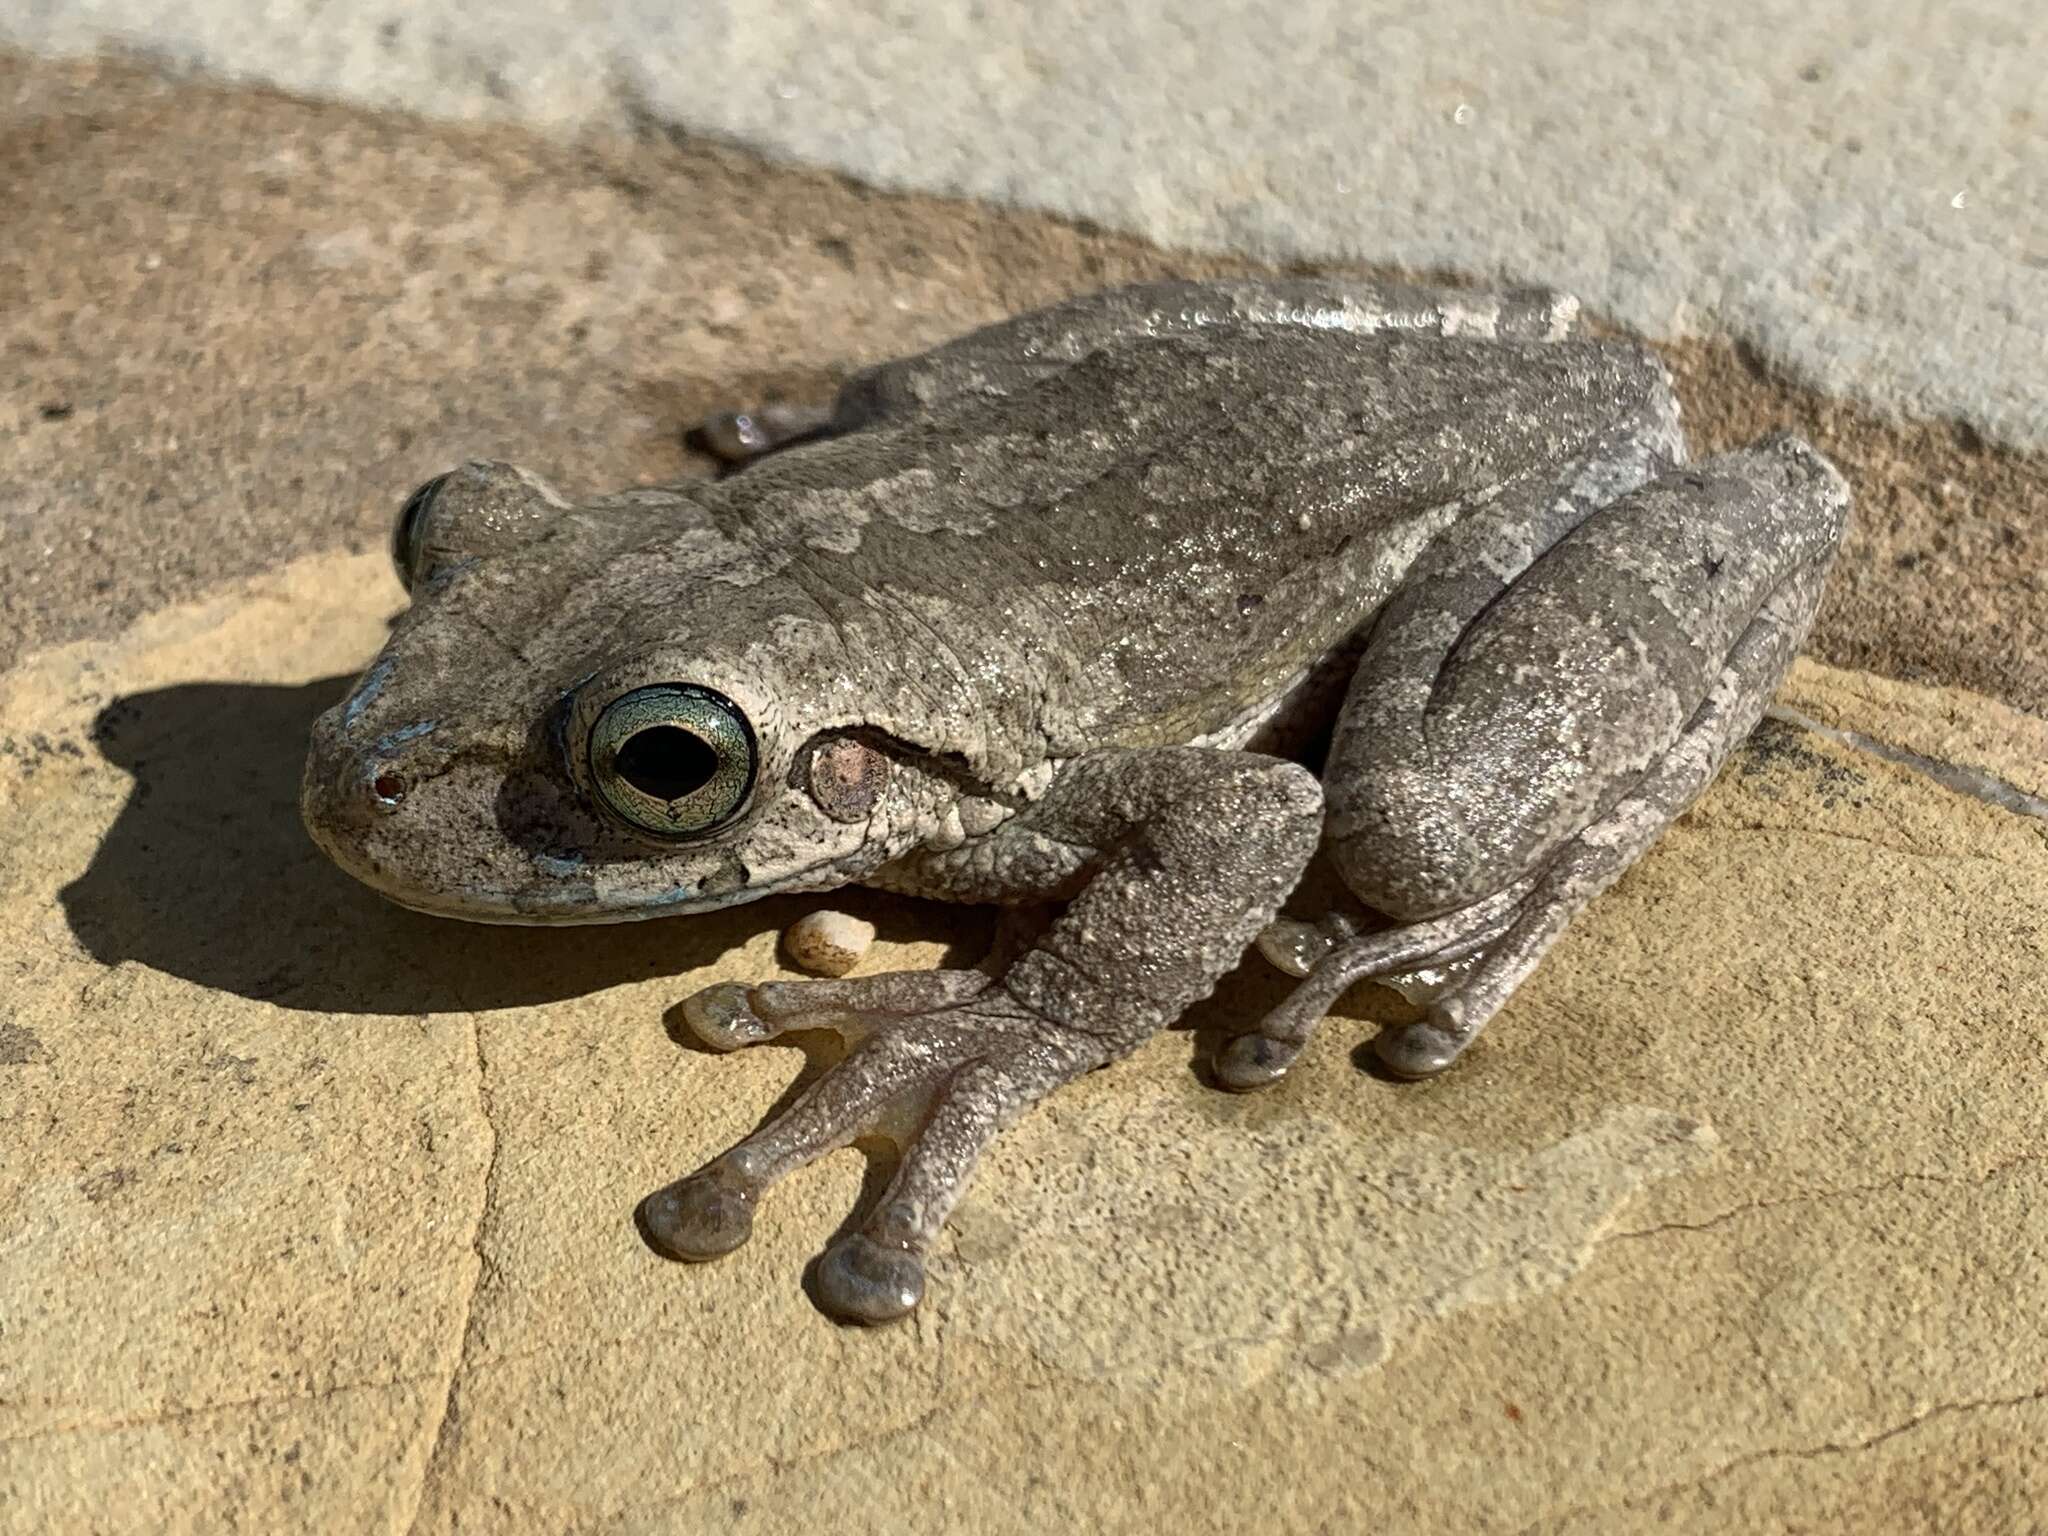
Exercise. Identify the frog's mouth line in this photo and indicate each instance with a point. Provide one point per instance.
(571, 906)
(575, 904)
(586, 915)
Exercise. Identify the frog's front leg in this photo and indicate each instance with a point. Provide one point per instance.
(1180, 856)
(1512, 742)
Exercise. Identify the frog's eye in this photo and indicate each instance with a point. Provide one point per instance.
(479, 510)
(673, 759)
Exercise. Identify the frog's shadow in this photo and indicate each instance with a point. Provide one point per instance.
(208, 875)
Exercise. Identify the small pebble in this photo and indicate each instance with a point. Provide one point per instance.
(828, 943)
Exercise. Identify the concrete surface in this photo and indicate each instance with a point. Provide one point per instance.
(1855, 189)
(315, 1214)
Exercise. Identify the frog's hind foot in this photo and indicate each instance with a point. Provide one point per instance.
(1723, 563)
(1329, 963)
(940, 1062)
(738, 438)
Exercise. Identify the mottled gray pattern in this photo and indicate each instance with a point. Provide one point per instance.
(1026, 620)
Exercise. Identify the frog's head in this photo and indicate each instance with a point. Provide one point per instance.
(593, 713)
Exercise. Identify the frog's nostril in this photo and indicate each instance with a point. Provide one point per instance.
(388, 787)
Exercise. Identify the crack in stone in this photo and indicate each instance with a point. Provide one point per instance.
(181, 1412)
(779, 1466)
(1917, 855)
(185, 1412)
(471, 1363)
(1894, 1184)
(776, 1466)
(1976, 783)
(1819, 1452)
(447, 1430)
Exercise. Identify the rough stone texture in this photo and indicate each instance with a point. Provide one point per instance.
(315, 1214)
(1854, 187)
(250, 325)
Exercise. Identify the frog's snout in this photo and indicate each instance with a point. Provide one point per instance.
(350, 787)
(365, 791)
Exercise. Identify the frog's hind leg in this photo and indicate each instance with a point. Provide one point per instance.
(1012, 354)
(1576, 712)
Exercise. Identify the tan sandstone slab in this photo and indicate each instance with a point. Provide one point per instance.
(317, 1214)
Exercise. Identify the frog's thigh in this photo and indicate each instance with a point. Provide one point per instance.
(1572, 719)
(1448, 783)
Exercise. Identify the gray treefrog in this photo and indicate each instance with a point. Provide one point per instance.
(1055, 613)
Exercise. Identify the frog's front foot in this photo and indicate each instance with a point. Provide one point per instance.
(940, 1062)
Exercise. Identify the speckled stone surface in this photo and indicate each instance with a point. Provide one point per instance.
(315, 1214)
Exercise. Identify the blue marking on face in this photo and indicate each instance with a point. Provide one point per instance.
(401, 736)
(366, 693)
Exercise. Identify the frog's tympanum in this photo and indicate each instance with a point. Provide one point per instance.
(1054, 614)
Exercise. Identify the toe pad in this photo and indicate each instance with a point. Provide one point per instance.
(699, 1218)
(1416, 1050)
(723, 1017)
(1254, 1061)
(864, 1281)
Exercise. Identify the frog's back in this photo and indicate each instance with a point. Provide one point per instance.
(1133, 550)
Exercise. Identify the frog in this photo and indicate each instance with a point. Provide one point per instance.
(1125, 610)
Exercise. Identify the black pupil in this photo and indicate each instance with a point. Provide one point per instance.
(666, 762)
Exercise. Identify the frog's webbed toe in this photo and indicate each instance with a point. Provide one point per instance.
(1254, 1061)
(732, 1014)
(1619, 699)
(942, 1061)
(738, 438)
(865, 1281)
(1334, 964)
(1418, 1050)
(702, 1217)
